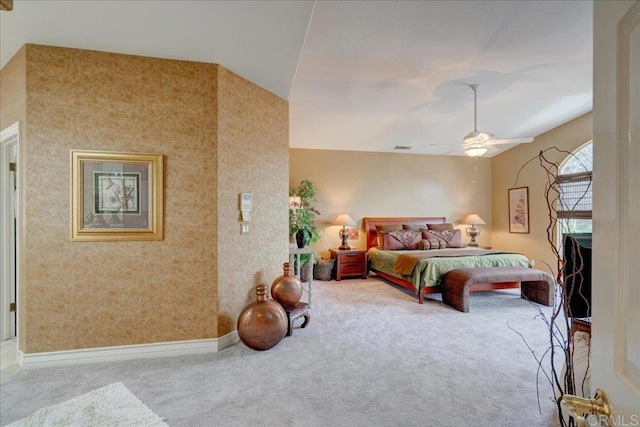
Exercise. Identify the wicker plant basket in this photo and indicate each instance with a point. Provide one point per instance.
(323, 269)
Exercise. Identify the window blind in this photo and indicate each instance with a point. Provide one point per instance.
(576, 200)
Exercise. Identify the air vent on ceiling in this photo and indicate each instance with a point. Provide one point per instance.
(402, 147)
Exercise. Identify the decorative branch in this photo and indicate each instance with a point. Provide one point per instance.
(559, 325)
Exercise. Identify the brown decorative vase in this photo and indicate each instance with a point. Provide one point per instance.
(286, 289)
(262, 324)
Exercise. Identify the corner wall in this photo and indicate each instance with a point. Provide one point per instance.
(205, 121)
(253, 142)
(567, 137)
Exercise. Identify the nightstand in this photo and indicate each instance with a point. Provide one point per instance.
(351, 262)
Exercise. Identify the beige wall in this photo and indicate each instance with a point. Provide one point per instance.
(364, 184)
(567, 137)
(94, 294)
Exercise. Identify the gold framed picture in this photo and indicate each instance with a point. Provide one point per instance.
(116, 196)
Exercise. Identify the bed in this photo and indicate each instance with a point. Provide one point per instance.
(432, 264)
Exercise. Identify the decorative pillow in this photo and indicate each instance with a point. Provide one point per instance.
(381, 228)
(425, 245)
(440, 227)
(401, 239)
(414, 226)
(323, 268)
(446, 238)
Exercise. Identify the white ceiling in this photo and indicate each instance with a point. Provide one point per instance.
(370, 74)
(259, 40)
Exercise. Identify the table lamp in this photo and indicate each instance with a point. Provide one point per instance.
(473, 231)
(344, 220)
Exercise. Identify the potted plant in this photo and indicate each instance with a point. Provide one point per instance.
(302, 221)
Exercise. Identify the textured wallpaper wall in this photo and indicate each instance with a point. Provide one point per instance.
(253, 142)
(95, 294)
(13, 95)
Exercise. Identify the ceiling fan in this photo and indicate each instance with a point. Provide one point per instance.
(477, 143)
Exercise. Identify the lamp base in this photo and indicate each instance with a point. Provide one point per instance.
(473, 232)
(344, 235)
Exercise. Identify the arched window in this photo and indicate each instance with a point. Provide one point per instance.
(580, 161)
(576, 202)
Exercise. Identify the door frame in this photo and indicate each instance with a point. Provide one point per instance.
(615, 265)
(9, 144)
(628, 371)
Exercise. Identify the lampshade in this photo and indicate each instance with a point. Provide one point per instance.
(473, 219)
(475, 151)
(344, 220)
(295, 202)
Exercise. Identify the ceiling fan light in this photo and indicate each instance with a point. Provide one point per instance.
(475, 151)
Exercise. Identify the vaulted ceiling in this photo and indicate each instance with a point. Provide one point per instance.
(359, 75)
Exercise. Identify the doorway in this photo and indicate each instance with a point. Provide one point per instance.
(9, 240)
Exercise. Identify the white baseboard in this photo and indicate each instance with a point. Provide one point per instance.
(125, 352)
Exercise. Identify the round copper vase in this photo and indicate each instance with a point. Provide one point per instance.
(262, 324)
(286, 289)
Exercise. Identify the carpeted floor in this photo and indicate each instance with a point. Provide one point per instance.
(371, 356)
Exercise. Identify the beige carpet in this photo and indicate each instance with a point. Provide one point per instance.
(371, 356)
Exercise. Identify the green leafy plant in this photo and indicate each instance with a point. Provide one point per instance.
(303, 219)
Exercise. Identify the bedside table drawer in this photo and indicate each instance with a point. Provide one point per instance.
(350, 257)
(352, 267)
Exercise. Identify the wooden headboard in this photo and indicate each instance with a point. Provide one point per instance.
(372, 234)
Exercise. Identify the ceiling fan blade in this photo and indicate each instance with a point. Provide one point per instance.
(509, 141)
(478, 138)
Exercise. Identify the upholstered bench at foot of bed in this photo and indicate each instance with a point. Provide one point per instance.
(535, 285)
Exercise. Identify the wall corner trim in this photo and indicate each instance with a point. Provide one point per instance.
(125, 352)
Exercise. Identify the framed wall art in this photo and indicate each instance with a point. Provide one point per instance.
(116, 196)
(519, 210)
(353, 234)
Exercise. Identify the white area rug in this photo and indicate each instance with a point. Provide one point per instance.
(112, 405)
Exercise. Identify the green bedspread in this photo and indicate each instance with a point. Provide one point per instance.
(429, 271)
